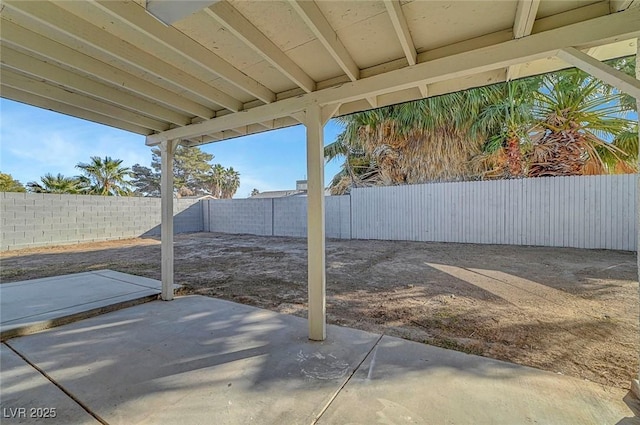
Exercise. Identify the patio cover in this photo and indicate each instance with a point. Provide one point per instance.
(195, 72)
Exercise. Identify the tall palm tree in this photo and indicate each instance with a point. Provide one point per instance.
(215, 179)
(230, 184)
(506, 119)
(561, 124)
(107, 176)
(58, 184)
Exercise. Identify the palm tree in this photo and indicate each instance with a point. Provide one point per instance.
(626, 161)
(578, 118)
(230, 184)
(107, 176)
(432, 139)
(561, 124)
(58, 184)
(214, 180)
(506, 118)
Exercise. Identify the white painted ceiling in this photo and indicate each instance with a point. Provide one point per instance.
(112, 62)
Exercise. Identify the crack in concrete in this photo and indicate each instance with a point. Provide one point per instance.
(339, 390)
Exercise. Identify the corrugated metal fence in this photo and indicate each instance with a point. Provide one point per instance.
(581, 212)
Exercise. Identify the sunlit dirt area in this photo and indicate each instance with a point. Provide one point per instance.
(569, 311)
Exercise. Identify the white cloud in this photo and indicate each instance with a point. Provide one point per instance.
(40, 142)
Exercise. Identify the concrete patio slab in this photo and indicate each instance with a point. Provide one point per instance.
(197, 360)
(28, 397)
(34, 305)
(200, 360)
(404, 382)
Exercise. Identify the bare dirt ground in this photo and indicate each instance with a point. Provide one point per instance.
(569, 311)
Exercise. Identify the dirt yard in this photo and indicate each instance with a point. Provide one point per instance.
(569, 311)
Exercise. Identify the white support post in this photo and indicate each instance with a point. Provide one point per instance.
(167, 150)
(315, 223)
(635, 385)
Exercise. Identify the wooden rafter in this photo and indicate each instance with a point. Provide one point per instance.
(603, 30)
(242, 28)
(54, 23)
(526, 12)
(318, 24)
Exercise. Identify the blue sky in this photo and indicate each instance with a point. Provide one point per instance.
(35, 141)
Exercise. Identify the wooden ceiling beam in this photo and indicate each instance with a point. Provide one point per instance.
(606, 29)
(618, 79)
(20, 38)
(243, 29)
(170, 41)
(57, 24)
(38, 68)
(526, 12)
(74, 111)
(399, 22)
(320, 27)
(42, 89)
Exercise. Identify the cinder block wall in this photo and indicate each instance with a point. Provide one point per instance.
(33, 220)
(290, 216)
(252, 216)
(275, 217)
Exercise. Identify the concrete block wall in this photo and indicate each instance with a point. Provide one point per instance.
(338, 217)
(290, 216)
(276, 216)
(252, 216)
(34, 220)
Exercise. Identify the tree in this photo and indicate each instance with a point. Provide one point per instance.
(9, 184)
(230, 184)
(215, 180)
(190, 168)
(107, 177)
(506, 119)
(625, 162)
(426, 140)
(561, 124)
(145, 181)
(193, 175)
(577, 119)
(59, 184)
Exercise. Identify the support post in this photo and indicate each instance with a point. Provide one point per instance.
(315, 223)
(167, 150)
(635, 385)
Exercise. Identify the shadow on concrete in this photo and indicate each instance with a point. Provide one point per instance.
(634, 405)
(195, 356)
(200, 359)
